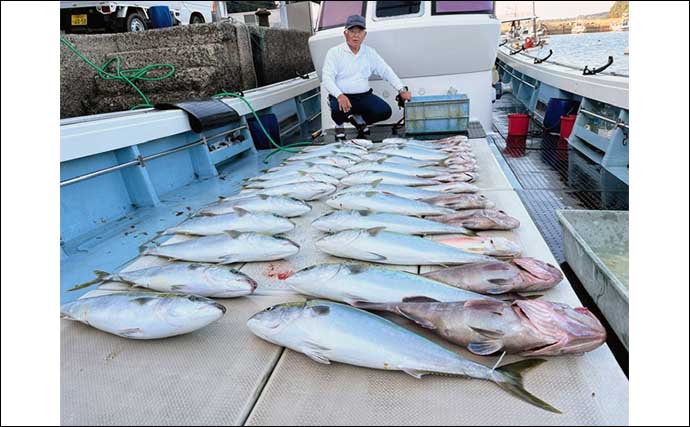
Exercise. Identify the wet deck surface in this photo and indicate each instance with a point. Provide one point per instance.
(549, 175)
(223, 374)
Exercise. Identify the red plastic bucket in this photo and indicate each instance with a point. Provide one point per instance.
(567, 123)
(518, 124)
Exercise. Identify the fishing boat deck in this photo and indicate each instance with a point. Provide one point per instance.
(223, 374)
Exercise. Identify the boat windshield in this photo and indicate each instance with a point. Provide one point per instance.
(456, 7)
(335, 13)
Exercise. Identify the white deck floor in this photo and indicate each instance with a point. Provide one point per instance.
(223, 374)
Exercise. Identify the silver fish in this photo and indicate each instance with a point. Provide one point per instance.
(333, 222)
(385, 247)
(281, 206)
(414, 193)
(228, 248)
(207, 280)
(356, 283)
(499, 277)
(295, 178)
(452, 187)
(414, 153)
(524, 327)
(484, 245)
(306, 167)
(374, 157)
(383, 202)
(326, 331)
(240, 220)
(144, 315)
(383, 166)
(300, 191)
(367, 177)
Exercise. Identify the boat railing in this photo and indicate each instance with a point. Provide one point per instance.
(140, 160)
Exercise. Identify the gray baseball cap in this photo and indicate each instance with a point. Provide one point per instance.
(355, 21)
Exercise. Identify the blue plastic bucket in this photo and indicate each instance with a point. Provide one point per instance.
(556, 108)
(160, 16)
(270, 122)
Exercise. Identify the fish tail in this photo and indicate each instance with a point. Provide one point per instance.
(509, 378)
(101, 276)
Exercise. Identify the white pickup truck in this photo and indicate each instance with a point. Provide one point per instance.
(118, 16)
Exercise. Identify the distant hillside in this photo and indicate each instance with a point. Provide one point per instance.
(618, 9)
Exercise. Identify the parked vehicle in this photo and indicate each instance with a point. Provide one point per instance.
(115, 16)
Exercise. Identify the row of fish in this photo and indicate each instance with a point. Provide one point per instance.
(377, 219)
(385, 197)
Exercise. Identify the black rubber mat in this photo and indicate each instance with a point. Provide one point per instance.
(475, 130)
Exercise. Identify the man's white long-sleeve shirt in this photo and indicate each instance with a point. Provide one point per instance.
(345, 72)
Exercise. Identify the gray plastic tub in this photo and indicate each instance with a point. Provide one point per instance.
(596, 248)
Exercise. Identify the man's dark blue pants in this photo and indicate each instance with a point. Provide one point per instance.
(372, 108)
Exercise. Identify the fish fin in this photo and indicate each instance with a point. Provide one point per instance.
(310, 164)
(262, 196)
(493, 334)
(178, 288)
(373, 256)
(240, 211)
(143, 300)
(232, 233)
(413, 372)
(375, 231)
(514, 296)
(494, 306)
(101, 276)
(363, 212)
(370, 193)
(421, 322)
(500, 282)
(130, 333)
(319, 310)
(315, 353)
(228, 259)
(373, 306)
(509, 378)
(375, 183)
(419, 299)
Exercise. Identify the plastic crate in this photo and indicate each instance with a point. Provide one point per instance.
(437, 114)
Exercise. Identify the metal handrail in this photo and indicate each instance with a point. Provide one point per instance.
(314, 116)
(291, 129)
(141, 160)
(517, 78)
(303, 100)
(618, 123)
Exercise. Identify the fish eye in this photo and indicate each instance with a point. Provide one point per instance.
(269, 308)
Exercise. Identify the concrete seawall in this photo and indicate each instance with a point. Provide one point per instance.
(208, 58)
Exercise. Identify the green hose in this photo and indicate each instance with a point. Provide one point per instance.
(133, 74)
(129, 75)
(278, 148)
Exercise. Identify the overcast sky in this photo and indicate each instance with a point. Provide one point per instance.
(551, 9)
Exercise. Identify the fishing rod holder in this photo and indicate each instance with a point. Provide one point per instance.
(590, 72)
(540, 60)
(515, 52)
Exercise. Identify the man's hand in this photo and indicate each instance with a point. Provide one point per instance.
(344, 103)
(406, 95)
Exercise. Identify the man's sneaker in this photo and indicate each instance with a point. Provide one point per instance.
(340, 132)
(363, 132)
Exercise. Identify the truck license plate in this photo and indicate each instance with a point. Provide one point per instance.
(79, 19)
